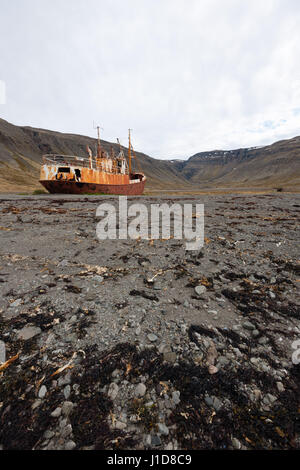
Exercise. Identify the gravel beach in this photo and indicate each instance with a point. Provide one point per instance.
(141, 344)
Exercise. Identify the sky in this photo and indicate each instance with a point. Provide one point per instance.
(185, 75)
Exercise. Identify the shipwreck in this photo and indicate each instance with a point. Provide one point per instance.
(102, 173)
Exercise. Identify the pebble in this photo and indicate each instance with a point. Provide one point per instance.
(64, 380)
(236, 443)
(48, 434)
(66, 431)
(16, 303)
(280, 387)
(2, 352)
(28, 332)
(223, 361)
(120, 425)
(67, 392)
(163, 429)
(208, 401)
(200, 290)
(176, 397)
(248, 325)
(183, 329)
(263, 340)
(152, 337)
(36, 404)
(140, 390)
(138, 330)
(70, 445)
(113, 391)
(170, 356)
(56, 413)
(42, 391)
(98, 278)
(212, 369)
(217, 404)
(67, 407)
(155, 440)
(269, 398)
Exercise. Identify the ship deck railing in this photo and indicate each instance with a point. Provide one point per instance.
(75, 161)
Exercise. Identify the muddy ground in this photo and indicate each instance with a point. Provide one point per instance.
(141, 344)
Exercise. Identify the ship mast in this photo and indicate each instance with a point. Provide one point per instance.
(129, 152)
(98, 144)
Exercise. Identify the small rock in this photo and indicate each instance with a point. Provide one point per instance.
(223, 361)
(208, 401)
(2, 352)
(176, 397)
(66, 431)
(263, 340)
(140, 390)
(98, 278)
(65, 379)
(183, 329)
(248, 326)
(28, 332)
(138, 330)
(36, 404)
(236, 443)
(70, 445)
(120, 425)
(269, 398)
(56, 413)
(16, 303)
(255, 361)
(152, 337)
(280, 387)
(66, 408)
(48, 434)
(113, 391)
(200, 290)
(170, 356)
(212, 369)
(63, 263)
(163, 429)
(217, 404)
(67, 392)
(155, 440)
(116, 373)
(42, 391)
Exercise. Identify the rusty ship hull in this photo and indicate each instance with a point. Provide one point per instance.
(72, 175)
(73, 187)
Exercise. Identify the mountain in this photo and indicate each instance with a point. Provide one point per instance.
(268, 166)
(21, 149)
(276, 165)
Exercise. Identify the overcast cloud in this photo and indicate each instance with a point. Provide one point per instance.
(185, 75)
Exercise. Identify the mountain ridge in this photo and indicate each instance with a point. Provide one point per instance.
(21, 149)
